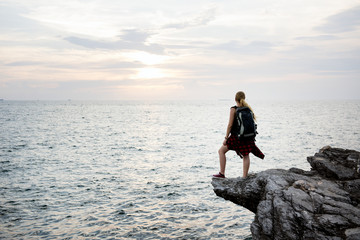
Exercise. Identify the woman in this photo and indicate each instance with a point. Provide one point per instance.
(242, 146)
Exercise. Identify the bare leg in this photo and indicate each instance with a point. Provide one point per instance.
(246, 165)
(222, 158)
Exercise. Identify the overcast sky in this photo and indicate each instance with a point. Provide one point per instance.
(117, 49)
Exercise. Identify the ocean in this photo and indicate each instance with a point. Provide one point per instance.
(142, 170)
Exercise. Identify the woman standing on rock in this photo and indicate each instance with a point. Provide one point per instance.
(241, 146)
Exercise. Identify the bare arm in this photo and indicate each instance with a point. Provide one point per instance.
(231, 120)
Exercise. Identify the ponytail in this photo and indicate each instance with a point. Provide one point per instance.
(240, 98)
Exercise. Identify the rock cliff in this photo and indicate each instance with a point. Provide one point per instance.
(323, 203)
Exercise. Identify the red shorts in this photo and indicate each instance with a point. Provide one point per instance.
(243, 147)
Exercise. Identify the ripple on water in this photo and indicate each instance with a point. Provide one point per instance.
(118, 170)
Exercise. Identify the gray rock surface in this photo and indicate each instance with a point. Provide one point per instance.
(323, 203)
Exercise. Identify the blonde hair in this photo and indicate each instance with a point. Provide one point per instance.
(240, 98)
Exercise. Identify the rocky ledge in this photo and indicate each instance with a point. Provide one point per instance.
(323, 203)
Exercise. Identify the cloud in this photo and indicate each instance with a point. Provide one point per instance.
(68, 49)
(201, 19)
(59, 89)
(12, 20)
(345, 21)
(130, 40)
(23, 63)
(133, 35)
(86, 89)
(255, 47)
(61, 64)
(318, 38)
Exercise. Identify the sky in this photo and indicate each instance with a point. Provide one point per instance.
(174, 50)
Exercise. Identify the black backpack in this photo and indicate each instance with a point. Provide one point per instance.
(246, 124)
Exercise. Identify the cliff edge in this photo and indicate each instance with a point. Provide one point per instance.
(323, 203)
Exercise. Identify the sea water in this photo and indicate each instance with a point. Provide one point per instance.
(142, 170)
